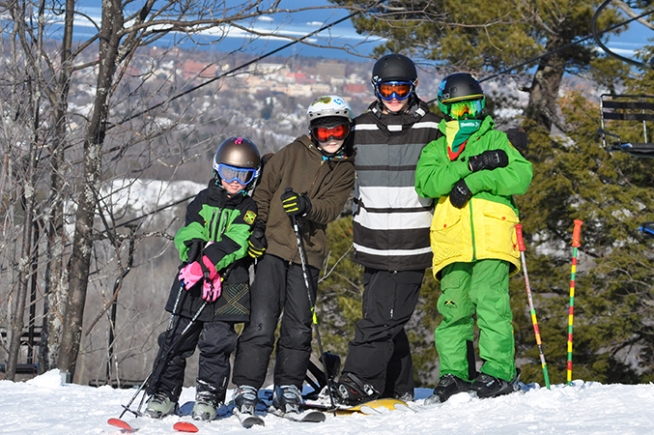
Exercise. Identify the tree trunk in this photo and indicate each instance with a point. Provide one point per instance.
(33, 92)
(78, 267)
(542, 107)
(16, 322)
(55, 284)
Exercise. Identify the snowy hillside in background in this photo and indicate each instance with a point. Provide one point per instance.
(131, 197)
(44, 406)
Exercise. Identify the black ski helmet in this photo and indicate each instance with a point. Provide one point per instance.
(394, 67)
(459, 87)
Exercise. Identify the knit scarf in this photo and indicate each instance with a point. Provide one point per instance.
(457, 134)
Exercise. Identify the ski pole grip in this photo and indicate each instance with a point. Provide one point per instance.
(518, 232)
(576, 233)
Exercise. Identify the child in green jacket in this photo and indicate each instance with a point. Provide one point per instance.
(473, 171)
(211, 291)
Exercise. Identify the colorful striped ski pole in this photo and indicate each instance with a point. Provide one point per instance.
(532, 310)
(576, 243)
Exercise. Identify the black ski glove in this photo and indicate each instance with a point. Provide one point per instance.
(257, 243)
(460, 194)
(295, 204)
(194, 252)
(488, 160)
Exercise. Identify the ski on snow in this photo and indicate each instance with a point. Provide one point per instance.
(372, 407)
(122, 424)
(180, 426)
(308, 416)
(248, 420)
(185, 426)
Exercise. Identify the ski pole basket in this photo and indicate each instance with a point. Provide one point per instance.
(621, 117)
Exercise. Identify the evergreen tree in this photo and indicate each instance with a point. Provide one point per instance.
(575, 178)
(494, 37)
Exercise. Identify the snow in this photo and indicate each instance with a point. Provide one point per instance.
(44, 405)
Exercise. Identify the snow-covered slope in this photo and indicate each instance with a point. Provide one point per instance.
(44, 406)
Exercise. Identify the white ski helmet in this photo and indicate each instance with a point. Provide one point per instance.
(329, 106)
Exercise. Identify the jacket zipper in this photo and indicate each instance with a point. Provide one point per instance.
(472, 232)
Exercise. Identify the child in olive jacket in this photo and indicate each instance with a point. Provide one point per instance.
(309, 180)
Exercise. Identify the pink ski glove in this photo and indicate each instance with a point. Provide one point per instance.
(211, 288)
(192, 273)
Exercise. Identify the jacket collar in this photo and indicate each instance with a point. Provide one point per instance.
(416, 109)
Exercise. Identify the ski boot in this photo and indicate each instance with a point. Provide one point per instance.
(206, 405)
(246, 399)
(160, 405)
(488, 386)
(448, 385)
(351, 390)
(287, 399)
(315, 376)
(404, 397)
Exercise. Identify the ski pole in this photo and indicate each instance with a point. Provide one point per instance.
(161, 362)
(172, 347)
(576, 243)
(532, 310)
(147, 378)
(308, 284)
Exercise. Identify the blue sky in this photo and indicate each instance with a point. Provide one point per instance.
(344, 34)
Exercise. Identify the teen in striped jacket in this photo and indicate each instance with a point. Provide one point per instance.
(391, 232)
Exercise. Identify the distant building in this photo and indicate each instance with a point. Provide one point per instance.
(330, 70)
(192, 69)
(356, 89)
(276, 69)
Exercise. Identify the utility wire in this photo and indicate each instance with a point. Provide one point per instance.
(263, 56)
(549, 53)
(534, 59)
(327, 26)
(233, 70)
(599, 42)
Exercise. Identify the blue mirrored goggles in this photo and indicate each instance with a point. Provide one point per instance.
(394, 90)
(229, 174)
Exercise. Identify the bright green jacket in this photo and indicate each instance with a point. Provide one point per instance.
(485, 227)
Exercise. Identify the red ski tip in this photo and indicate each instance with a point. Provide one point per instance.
(120, 423)
(183, 426)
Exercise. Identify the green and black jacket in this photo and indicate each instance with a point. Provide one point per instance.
(225, 222)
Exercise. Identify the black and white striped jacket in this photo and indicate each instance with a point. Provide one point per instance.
(391, 222)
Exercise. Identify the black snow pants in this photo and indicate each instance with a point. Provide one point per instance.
(278, 286)
(216, 341)
(380, 354)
